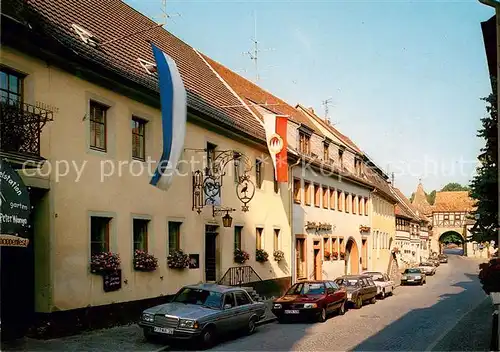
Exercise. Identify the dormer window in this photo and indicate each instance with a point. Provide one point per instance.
(304, 143)
(85, 35)
(149, 67)
(341, 154)
(326, 152)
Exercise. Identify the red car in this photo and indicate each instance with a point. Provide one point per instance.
(311, 300)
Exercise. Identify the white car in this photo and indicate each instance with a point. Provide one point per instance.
(385, 286)
(427, 268)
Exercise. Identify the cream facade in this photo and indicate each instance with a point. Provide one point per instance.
(384, 232)
(110, 186)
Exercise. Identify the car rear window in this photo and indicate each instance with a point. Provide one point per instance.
(307, 289)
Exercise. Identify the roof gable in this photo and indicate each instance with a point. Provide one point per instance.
(453, 201)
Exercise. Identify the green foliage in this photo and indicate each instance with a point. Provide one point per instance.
(431, 197)
(412, 197)
(484, 185)
(454, 187)
(451, 237)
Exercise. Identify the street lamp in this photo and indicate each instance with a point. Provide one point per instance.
(227, 220)
(496, 5)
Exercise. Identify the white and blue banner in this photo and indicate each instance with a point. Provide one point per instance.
(173, 114)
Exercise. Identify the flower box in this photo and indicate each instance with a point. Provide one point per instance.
(261, 256)
(240, 256)
(278, 255)
(335, 255)
(342, 255)
(101, 263)
(178, 260)
(144, 261)
(327, 255)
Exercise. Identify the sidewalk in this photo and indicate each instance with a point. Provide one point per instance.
(122, 338)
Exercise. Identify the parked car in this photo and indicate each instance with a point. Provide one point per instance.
(311, 299)
(428, 268)
(201, 312)
(434, 261)
(443, 258)
(360, 289)
(385, 286)
(413, 276)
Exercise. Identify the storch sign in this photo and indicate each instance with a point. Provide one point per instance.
(15, 208)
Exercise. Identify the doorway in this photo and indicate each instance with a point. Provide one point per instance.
(352, 254)
(364, 254)
(317, 260)
(300, 258)
(211, 253)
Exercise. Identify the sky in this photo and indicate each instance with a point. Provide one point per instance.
(405, 78)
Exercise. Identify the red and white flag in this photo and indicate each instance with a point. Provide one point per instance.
(275, 127)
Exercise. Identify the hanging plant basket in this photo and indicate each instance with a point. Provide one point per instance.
(178, 260)
(144, 261)
(278, 255)
(240, 256)
(261, 256)
(104, 262)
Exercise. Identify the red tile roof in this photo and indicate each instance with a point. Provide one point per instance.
(108, 20)
(453, 201)
(406, 206)
(420, 201)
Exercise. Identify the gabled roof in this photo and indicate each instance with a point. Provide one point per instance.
(112, 22)
(253, 95)
(405, 207)
(453, 201)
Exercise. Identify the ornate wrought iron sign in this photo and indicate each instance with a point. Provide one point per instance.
(363, 228)
(207, 185)
(319, 226)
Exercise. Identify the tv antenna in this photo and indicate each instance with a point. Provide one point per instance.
(164, 14)
(326, 105)
(254, 52)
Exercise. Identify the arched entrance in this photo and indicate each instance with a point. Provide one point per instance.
(351, 257)
(449, 238)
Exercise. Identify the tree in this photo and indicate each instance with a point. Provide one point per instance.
(412, 197)
(484, 185)
(431, 197)
(454, 187)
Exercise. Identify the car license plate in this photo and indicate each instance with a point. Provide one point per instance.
(168, 331)
(411, 279)
(294, 311)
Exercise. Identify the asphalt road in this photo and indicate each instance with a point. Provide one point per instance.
(450, 312)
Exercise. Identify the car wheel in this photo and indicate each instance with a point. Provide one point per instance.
(322, 315)
(342, 308)
(373, 300)
(358, 303)
(207, 337)
(251, 326)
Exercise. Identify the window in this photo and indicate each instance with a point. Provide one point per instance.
(334, 245)
(326, 152)
(360, 206)
(296, 190)
(332, 198)
(241, 298)
(339, 200)
(258, 173)
(210, 156)
(229, 300)
(138, 138)
(307, 193)
(174, 236)
(457, 217)
(325, 197)
(366, 206)
(341, 154)
(258, 238)
(346, 198)
(326, 247)
(353, 198)
(11, 86)
(99, 234)
(304, 143)
(98, 126)
(357, 166)
(446, 217)
(276, 244)
(237, 237)
(317, 196)
(140, 229)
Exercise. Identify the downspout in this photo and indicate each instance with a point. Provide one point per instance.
(292, 235)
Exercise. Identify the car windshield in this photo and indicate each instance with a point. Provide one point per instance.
(412, 271)
(348, 282)
(307, 289)
(199, 297)
(377, 276)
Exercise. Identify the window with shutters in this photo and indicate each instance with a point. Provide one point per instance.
(339, 200)
(346, 202)
(325, 197)
(237, 237)
(174, 235)
(297, 190)
(140, 229)
(307, 193)
(332, 198)
(277, 242)
(317, 196)
(258, 237)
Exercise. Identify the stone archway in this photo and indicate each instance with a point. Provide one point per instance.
(352, 257)
(451, 236)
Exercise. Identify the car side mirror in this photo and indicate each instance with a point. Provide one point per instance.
(227, 306)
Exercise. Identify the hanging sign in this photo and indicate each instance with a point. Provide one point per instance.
(15, 208)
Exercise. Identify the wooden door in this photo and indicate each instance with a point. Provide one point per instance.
(318, 261)
(210, 253)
